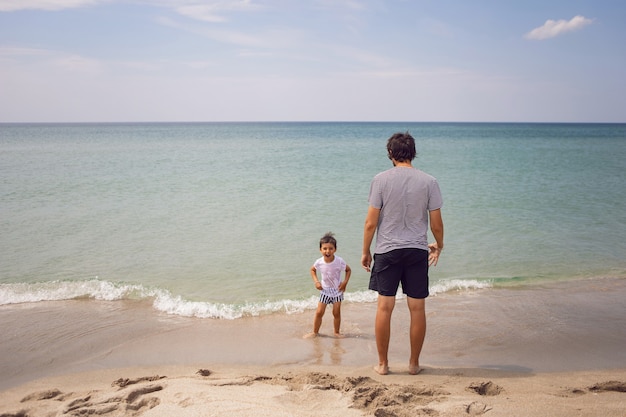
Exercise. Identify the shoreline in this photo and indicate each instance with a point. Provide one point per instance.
(549, 343)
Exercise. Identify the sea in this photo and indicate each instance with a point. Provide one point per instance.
(222, 221)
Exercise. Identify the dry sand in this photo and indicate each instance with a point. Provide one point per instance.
(328, 391)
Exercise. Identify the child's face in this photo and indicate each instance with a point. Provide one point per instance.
(328, 250)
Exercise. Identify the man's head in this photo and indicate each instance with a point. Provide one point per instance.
(401, 147)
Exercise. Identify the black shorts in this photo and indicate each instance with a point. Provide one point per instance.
(408, 267)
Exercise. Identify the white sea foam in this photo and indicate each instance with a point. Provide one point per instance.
(163, 300)
(68, 290)
(166, 302)
(458, 284)
(177, 305)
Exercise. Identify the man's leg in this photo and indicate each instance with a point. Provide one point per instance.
(417, 333)
(383, 331)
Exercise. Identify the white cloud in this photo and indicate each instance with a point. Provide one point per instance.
(213, 12)
(28, 58)
(553, 28)
(76, 63)
(204, 12)
(223, 36)
(349, 4)
(21, 52)
(14, 5)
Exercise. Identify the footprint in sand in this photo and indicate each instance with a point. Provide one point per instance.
(485, 388)
(126, 400)
(616, 386)
(608, 386)
(476, 409)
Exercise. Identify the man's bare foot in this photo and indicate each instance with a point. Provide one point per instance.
(310, 335)
(381, 369)
(414, 369)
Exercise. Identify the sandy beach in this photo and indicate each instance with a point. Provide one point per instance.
(555, 350)
(314, 391)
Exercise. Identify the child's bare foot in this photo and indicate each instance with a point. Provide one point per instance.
(339, 336)
(310, 335)
(414, 369)
(381, 369)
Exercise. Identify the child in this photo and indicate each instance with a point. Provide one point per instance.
(330, 285)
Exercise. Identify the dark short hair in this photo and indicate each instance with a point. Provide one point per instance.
(328, 238)
(401, 147)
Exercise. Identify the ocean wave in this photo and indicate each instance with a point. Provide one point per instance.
(458, 285)
(177, 305)
(162, 300)
(69, 290)
(166, 302)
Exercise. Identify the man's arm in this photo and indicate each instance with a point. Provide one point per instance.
(436, 227)
(371, 222)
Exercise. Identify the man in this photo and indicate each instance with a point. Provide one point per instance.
(402, 202)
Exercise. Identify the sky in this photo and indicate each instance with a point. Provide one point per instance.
(313, 60)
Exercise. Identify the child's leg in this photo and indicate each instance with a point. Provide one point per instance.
(319, 314)
(337, 317)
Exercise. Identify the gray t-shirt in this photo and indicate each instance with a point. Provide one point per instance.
(404, 196)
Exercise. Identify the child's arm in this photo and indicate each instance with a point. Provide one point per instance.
(344, 284)
(318, 284)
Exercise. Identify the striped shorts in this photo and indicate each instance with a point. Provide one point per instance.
(330, 296)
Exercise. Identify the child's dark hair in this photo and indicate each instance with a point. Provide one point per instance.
(328, 238)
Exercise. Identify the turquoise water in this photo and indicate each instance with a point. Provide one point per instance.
(224, 219)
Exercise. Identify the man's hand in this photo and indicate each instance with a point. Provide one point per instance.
(433, 255)
(366, 261)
